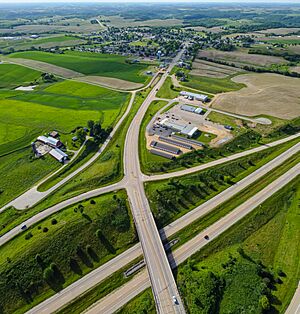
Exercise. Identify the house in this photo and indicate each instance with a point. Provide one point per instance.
(58, 155)
(54, 134)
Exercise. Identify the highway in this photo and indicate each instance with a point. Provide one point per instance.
(139, 283)
(93, 278)
(123, 183)
(161, 277)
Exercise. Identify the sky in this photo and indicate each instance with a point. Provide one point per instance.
(147, 1)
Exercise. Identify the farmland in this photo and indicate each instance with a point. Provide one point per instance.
(91, 64)
(77, 230)
(14, 75)
(269, 94)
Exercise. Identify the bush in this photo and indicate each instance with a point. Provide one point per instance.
(28, 236)
(53, 221)
(45, 229)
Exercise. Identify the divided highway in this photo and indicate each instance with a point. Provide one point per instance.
(139, 283)
(93, 278)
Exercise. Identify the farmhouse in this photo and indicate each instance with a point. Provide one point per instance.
(200, 97)
(58, 154)
(51, 141)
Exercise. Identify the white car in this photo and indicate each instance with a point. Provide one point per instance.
(175, 301)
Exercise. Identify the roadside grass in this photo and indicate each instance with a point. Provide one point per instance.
(142, 303)
(167, 90)
(146, 158)
(172, 198)
(13, 75)
(19, 171)
(222, 210)
(248, 257)
(212, 85)
(90, 64)
(111, 283)
(77, 239)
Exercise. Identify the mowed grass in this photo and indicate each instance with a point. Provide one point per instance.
(19, 171)
(77, 239)
(12, 75)
(249, 261)
(91, 64)
(62, 106)
(212, 85)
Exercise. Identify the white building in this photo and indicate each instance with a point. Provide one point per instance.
(58, 154)
(184, 129)
(53, 142)
(199, 97)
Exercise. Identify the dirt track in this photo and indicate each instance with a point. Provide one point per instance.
(268, 94)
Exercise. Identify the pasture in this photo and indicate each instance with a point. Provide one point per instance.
(91, 64)
(265, 94)
(13, 75)
(241, 58)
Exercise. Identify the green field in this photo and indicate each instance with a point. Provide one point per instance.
(19, 171)
(87, 234)
(248, 268)
(167, 90)
(13, 75)
(212, 85)
(62, 106)
(91, 64)
(55, 39)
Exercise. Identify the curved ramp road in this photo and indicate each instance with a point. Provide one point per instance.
(96, 276)
(139, 283)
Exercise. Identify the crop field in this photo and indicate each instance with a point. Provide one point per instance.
(88, 234)
(210, 69)
(279, 31)
(286, 40)
(14, 75)
(244, 256)
(265, 94)
(241, 58)
(91, 64)
(212, 85)
(62, 100)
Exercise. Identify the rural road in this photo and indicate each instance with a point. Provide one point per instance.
(294, 307)
(87, 282)
(139, 283)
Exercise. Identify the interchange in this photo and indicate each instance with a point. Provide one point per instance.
(164, 286)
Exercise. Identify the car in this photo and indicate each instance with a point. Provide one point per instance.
(175, 301)
(24, 227)
(206, 237)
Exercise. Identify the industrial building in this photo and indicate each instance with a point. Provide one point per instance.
(166, 148)
(187, 140)
(199, 97)
(174, 142)
(58, 155)
(191, 109)
(161, 154)
(184, 129)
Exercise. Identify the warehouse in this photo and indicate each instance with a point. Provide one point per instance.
(49, 141)
(191, 109)
(161, 154)
(174, 142)
(166, 148)
(184, 129)
(58, 154)
(200, 97)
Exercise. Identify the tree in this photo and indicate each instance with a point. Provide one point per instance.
(81, 135)
(90, 125)
(264, 303)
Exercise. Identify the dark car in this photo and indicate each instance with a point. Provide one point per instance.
(24, 227)
(206, 237)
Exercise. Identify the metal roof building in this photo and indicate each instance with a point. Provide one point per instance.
(191, 109)
(166, 148)
(187, 129)
(58, 154)
(200, 97)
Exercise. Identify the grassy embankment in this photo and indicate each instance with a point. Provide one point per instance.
(172, 198)
(117, 279)
(91, 64)
(248, 268)
(87, 234)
